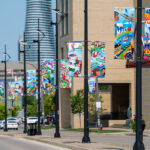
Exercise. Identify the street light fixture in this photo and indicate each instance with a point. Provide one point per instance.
(6, 54)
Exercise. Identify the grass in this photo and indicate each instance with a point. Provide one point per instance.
(47, 127)
(96, 131)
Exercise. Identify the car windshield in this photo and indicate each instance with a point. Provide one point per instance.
(32, 118)
(11, 121)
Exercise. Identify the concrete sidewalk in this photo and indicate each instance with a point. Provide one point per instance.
(73, 140)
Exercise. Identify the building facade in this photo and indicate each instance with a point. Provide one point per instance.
(120, 80)
(39, 9)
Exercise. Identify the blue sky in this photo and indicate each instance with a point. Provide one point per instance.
(12, 24)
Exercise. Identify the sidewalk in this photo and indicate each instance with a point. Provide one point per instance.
(73, 140)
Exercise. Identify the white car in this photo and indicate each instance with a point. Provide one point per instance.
(12, 125)
(13, 119)
(32, 119)
(1, 124)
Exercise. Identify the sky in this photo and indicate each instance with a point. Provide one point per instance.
(12, 25)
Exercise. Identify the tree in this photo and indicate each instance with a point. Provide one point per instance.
(49, 104)
(2, 111)
(77, 103)
(15, 110)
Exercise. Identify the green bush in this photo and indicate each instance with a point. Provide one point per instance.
(133, 126)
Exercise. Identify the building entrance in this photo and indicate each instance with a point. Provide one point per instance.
(120, 101)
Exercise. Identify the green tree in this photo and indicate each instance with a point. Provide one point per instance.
(77, 103)
(2, 111)
(49, 104)
(15, 110)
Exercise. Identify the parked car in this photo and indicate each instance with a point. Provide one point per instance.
(1, 124)
(13, 119)
(12, 124)
(32, 119)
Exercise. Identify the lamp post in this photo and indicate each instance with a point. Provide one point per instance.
(25, 87)
(39, 78)
(139, 133)
(86, 138)
(5, 128)
(5, 53)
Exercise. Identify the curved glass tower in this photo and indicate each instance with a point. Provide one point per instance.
(39, 9)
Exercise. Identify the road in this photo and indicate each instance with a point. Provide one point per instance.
(12, 143)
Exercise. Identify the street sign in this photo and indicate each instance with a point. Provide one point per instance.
(98, 104)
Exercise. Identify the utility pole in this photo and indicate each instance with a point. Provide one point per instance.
(86, 138)
(57, 134)
(25, 91)
(139, 133)
(5, 128)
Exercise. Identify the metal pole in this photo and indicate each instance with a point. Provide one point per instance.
(12, 107)
(39, 81)
(25, 91)
(5, 128)
(98, 112)
(57, 134)
(139, 136)
(86, 138)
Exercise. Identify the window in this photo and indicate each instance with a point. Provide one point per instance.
(62, 53)
(64, 18)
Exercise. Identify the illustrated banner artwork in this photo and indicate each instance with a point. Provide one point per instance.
(124, 33)
(18, 85)
(147, 34)
(91, 82)
(1, 90)
(98, 57)
(75, 58)
(11, 90)
(47, 81)
(65, 80)
(31, 82)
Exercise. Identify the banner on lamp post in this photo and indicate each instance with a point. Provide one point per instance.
(124, 33)
(98, 56)
(75, 58)
(31, 82)
(1, 90)
(65, 80)
(147, 35)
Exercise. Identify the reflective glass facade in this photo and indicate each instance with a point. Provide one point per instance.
(39, 9)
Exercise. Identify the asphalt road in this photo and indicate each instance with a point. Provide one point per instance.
(11, 143)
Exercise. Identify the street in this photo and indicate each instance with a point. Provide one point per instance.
(23, 144)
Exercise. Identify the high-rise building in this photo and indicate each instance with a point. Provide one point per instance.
(20, 49)
(39, 9)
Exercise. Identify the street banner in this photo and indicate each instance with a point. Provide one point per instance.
(91, 82)
(124, 33)
(98, 56)
(147, 35)
(11, 90)
(65, 80)
(1, 90)
(31, 82)
(75, 58)
(18, 85)
(47, 80)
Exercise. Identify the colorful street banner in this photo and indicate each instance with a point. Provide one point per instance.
(11, 90)
(1, 90)
(91, 82)
(124, 33)
(147, 34)
(18, 85)
(47, 80)
(65, 80)
(31, 82)
(75, 58)
(98, 56)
